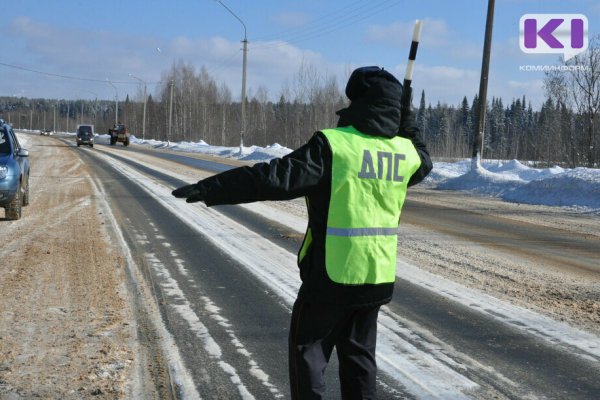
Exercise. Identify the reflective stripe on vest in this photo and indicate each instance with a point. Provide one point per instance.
(369, 178)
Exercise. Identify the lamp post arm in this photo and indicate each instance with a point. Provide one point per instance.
(232, 13)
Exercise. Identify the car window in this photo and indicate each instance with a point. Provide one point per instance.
(85, 129)
(16, 145)
(4, 144)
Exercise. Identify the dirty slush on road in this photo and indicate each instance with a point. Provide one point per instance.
(67, 322)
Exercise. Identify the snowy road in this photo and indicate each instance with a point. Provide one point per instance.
(225, 280)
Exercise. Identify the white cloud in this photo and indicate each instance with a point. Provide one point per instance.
(96, 54)
(449, 85)
(99, 54)
(532, 89)
(81, 53)
(442, 83)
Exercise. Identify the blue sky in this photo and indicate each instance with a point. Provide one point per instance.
(112, 39)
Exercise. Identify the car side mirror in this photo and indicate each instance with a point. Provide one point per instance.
(23, 153)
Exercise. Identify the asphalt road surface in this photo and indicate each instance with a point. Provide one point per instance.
(231, 328)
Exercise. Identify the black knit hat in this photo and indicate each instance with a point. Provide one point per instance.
(362, 78)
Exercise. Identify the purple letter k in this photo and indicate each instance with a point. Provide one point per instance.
(531, 33)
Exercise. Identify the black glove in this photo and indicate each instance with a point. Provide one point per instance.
(191, 193)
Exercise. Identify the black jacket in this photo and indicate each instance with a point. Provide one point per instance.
(307, 172)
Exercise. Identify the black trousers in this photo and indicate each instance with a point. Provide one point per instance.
(315, 330)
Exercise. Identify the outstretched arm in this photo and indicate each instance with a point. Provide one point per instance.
(295, 175)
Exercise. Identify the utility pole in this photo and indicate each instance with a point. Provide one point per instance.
(483, 82)
(243, 100)
(95, 105)
(116, 101)
(243, 122)
(170, 111)
(144, 112)
(172, 82)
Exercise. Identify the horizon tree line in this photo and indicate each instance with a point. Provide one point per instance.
(563, 131)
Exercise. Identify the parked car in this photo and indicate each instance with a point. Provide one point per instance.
(85, 135)
(14, 173)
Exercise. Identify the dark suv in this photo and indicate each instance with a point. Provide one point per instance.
(14, 173)
(85, 135)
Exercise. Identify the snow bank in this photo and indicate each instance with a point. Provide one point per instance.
(515, 182)
(578, 187)
(252, 153)
(508, 180)
(267, 153)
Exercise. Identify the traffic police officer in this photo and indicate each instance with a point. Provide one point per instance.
(354, 178)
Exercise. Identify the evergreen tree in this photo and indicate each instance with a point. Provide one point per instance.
(423, 117)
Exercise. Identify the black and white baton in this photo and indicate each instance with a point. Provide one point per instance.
(412, 55)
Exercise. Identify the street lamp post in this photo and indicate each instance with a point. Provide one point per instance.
(245, 50)
(116, 101)
(172, 82)
(170, 111)
(144, 112)
(95, 105)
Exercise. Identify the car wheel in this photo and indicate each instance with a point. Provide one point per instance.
(126, 142)
(92, 145)
(13, 209)
(26, 194)
(78, 145)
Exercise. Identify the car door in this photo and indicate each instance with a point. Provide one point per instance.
(22, 161)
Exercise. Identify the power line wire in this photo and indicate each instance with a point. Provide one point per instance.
(301, 34)
(356, 16)
(313, 22)
(76, 78)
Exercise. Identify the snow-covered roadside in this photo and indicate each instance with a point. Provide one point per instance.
(517, 183)
(510, 180)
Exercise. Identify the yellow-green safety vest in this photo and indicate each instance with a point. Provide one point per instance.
(369, 178)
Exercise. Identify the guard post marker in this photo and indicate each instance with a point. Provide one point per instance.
(412, 55)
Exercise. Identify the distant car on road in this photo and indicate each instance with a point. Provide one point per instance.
(85, 135)
(46, 132)
(14, 173)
